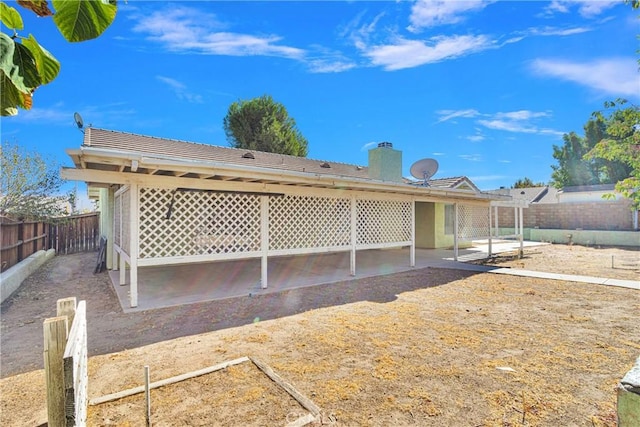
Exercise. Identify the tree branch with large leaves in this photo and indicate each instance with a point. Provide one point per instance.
(24, 64)
(622, 144)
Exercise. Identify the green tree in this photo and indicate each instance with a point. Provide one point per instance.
(527, 183)
(30, 185)
(621, 143)
(264, 125)
(574, 168)
(24, 64)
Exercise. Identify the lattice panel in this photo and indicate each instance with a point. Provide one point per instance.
(198, 223)
(117, 220)
(126, 220)
(297, 222)
(383, 221)
(473, 222)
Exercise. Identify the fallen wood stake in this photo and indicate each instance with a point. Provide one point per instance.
(302, 400)
(140, 389)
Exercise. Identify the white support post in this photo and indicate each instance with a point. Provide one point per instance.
(264, 241)
(109, 206)
(490, 234)
(117, 206)
(515, 220)
(133, 244)
(354, 235)
(123, 271)
(412, 256)
(635, 219)
(455, 232)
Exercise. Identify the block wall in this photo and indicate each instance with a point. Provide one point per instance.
(614, 215)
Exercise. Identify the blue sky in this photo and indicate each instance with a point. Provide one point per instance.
(484, 87)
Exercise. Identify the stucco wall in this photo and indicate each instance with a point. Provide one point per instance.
(430, 227)
(601, 215)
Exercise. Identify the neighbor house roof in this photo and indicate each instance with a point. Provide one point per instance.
(545, 194)
(111, 157)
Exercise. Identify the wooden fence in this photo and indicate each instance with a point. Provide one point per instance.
(76, 233)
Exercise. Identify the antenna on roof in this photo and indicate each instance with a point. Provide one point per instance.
(424, 169)
(78, 119)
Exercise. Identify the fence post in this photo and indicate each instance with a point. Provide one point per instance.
(55, 340)
(67, 307)
(20, 239)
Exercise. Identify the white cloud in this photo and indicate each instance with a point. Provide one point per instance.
(613, 76)
(517, 126)
(519, 121)
(586, 8)
(181, 29)
(53, 115)
(522, 115)
(368, 145)
(430, 13)
(180, 90)
(554, 31)
(323, 60)
(404, 53)
(452, 114)
(475, 138)
(471, 157)
(438, 154)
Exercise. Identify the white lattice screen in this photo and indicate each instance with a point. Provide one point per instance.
(473, 222)
(383, 221)
(125, 220)
(197, 223)
(299, 222)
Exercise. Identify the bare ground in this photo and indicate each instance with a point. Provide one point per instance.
(427, 347)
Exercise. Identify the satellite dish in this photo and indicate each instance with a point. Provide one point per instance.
(78, 119)
(424, 169)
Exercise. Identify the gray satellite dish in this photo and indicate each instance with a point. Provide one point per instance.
(78, 119)
(424, 169)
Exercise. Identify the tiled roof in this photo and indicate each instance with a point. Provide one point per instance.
(531, 194)
(149, 146)
(449, 183)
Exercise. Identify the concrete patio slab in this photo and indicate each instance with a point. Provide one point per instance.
(165, 286)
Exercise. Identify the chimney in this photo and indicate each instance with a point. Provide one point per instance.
(385, 163)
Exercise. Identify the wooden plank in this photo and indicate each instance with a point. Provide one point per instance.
(302, 400)
(172, 380)
(55, 337)
(302, 421)
(76, 376)
(66, 307)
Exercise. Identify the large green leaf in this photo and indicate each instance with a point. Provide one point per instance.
(10, 17)
(18, 64)
(47, 65)
(83, 20)
(10, 97)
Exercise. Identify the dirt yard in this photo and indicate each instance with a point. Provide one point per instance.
(426, 347)
(572, 259)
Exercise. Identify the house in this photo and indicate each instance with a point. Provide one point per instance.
(167, 202)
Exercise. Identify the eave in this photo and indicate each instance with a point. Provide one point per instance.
(102, 167)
